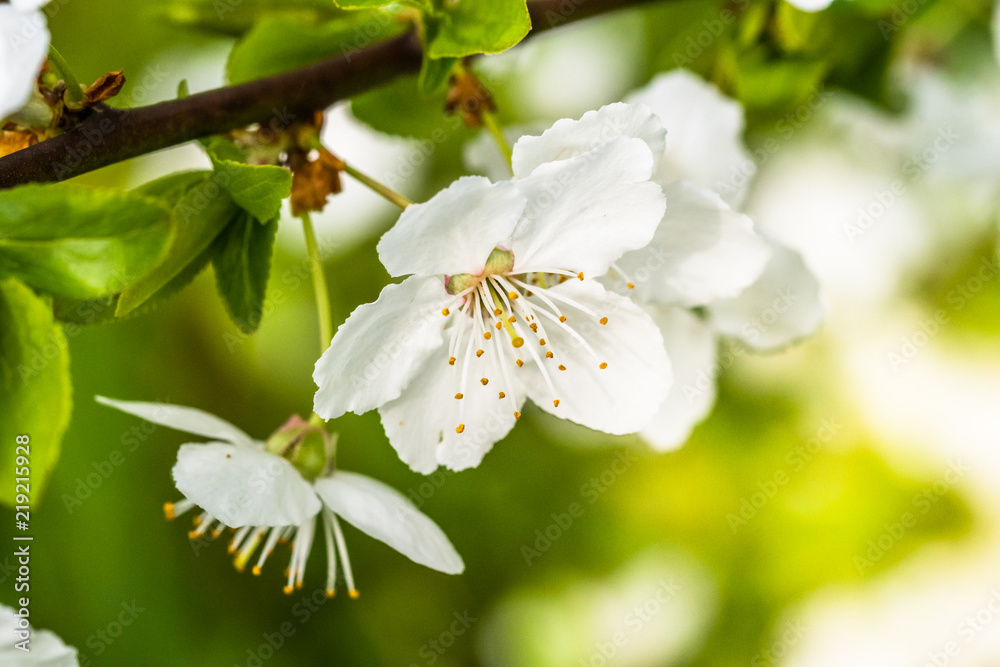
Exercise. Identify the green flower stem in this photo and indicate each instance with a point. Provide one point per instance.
(320, 288)
(322, 294)
(491, 123)
(369, 182)
(63, 72)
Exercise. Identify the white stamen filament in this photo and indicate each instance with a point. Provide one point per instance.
(342, 548)
(331, 554)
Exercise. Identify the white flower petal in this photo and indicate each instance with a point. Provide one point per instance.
(481, 155)
(690, 344)
(783, 305)
(25, 6)
(189, 420)
(24, 45)
(454, 231)
(704, 134)
(385, 514)
(421, 424)
(47, 649)
(242, 486)
(586, 211)
(625, 395)
(702, 251)
(377, 351)
(568, 138)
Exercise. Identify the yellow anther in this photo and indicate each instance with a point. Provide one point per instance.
(631, 286)
(580, 275)
(517, 415)
(517, 342)
(458, 396)
(561, 367)
(604, 320)
(192, 534)
(512, 319)
(562, 318)
(197, 520)
(445, 311)
(354, 594)
(534, 327)
(168, 511)
(479, 353)
(497, 311)
(288, 590)
(499, 326)
(217, 532)
(511, 295)
(459, 428)
(603, 365)
(330, 592)
(487, 335)
(256, 570)
(451, 361)
(556, 402)
(541, 341)
(549, 355)
(502, 394)
(519, 363)
(485, 381)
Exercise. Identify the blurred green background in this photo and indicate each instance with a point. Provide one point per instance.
(749, 560)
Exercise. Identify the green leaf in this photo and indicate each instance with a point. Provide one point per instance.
(242, 262)
(280, 44)
(79, 242)
(256, 189)
(423, 5)
(464, 28)
(35, 388)
(201, 210)
(102, 309)
(236, 18)
(400, 108)
(434, 73)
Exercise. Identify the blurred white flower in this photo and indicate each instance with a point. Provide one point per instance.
(656, 610)
(811, 5)
(250, 486)
(501, 306)
(704, 254)
(24, 45)
(23, 646)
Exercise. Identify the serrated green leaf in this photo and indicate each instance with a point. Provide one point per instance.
(256, 189)
(280, 44)
(242, 263)
(35, 388)
(102, 309)
(79, 242)
(201, 210)
(462, 29)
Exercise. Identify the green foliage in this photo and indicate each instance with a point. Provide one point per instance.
(35, 388)
(281, 43)
(236, 17)
(256, 189)
(79, 242)
(201, 210)
(242, 261)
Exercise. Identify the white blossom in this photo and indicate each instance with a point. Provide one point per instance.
(24, 45)
(501, 305)
(240, 484)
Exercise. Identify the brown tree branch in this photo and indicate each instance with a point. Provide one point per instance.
(109, 135)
